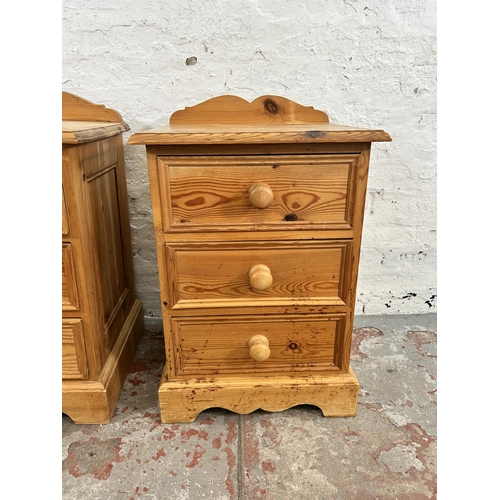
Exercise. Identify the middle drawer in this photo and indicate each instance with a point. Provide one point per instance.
(275, 273)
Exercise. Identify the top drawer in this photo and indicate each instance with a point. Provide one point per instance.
(214, 193)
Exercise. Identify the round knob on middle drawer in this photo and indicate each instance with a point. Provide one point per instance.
(261, 195)
(260, 277)
(259, 348)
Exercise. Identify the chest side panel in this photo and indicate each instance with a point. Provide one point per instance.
(105, 198)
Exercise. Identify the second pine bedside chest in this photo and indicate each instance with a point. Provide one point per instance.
(102, 319)
(258, 212)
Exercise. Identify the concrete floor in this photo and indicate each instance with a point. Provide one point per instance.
(388, 451)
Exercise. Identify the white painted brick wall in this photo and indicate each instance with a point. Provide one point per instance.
(365, 63)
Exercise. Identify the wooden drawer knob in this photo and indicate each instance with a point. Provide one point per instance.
(259, 348)
(260, 277)
(261, 195)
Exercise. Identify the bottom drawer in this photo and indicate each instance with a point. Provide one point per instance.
(74, 358)
(218, 345)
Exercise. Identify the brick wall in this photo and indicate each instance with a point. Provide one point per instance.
(369, 64)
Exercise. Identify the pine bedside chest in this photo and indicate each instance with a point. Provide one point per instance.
(102, 320)
(258, 212)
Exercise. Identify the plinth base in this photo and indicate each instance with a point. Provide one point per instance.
(182, 400)
(94, 401)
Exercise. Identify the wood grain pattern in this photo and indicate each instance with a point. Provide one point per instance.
(93, 401)
(70, 300)
(213, 192)
(230, 109)
(102, 319)
(99, 156)
(74, 359)
(335, 394)
(267, 120)
(258, 134)
(297, 343)
(85, 132)
(296, 234)
(208, 275)
(307, 232)
(259, 149)
(65, 223)
(84, 121)
(77, 108)
(104, 210)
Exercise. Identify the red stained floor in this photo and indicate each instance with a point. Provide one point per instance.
(387, 451)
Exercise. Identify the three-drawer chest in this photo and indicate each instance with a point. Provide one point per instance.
(258, 211)
(102, 320)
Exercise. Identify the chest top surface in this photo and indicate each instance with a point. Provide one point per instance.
(270, 119)
(83, 121)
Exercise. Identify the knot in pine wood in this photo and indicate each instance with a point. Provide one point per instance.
(271, 106)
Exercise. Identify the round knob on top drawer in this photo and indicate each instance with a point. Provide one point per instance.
(259, 348)
(260, 277)
(261, 195)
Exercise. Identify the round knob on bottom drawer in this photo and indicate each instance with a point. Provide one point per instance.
(260, 277)
(261, 195)
(259, 348)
